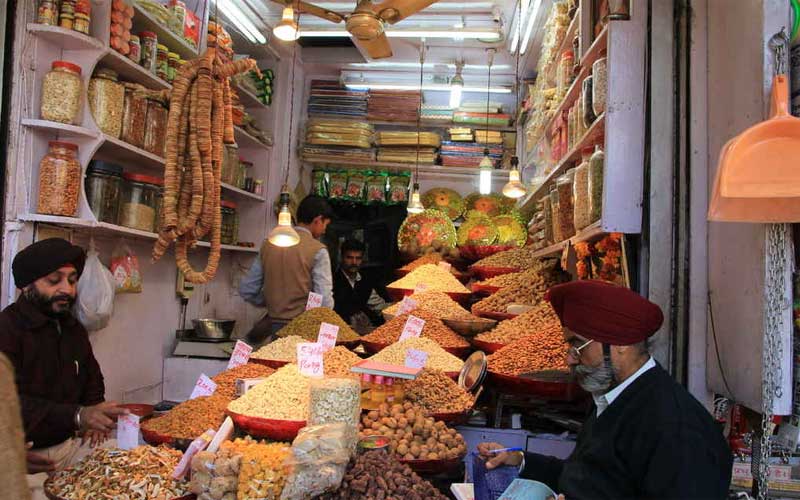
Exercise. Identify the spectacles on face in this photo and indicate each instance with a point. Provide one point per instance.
(575, 352)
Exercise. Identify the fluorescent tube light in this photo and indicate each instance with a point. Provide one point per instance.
(241, 21)
(531, 23)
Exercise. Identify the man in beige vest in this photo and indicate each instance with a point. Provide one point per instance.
(281, 277)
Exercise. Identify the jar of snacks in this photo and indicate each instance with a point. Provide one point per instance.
(82, 23)
(245, 167)
(83, 7)
(106, 101)
(62, 89)
(66, 20)
(258, 186)
(103, 189)
(134, 115)
(587, 112)
(554, 210)
(149, 41)
(596, 167)
(230, 164)
(564, 76)
(229, 233)
(178, 13)
(566, 200)
(47, 13)
(547, 212)
(162, 61)
(599, 86)
(135, 49)
(59, 180)
(139, 201)
(580, 193)
(155, 127)
(174, 63)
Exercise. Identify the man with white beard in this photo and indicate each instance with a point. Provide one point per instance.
(646, 436)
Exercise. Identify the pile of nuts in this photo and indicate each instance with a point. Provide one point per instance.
(283, 396)
(431, 276)
(509, 279)
(435, 392)
(434, 329)
(540, 351)
(191, 418)
(529, 292)
(438, 304)
(431, 258)
(307, 325)
(541, 318)
(226, 381)
(338, 361)
(516, 258)
(438, 358)
(377, 475)
(412, 435)
(284, 349)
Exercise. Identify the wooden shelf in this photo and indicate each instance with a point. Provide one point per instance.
(67, 39)
(336, 161)
(245, 140)
(61, 129)
(241, 192)
(598, 46)
(125, 153)
(588, 234)
(144, 21)
(566, 44)
(423, 124)
(130, 71)
(249, 99)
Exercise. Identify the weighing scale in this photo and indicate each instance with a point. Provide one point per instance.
(187, 345)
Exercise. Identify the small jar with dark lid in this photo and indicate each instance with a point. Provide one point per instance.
(103, 189)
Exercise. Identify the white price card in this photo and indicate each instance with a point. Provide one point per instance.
(421, 287)
(327, 335)
(413, 328)
(204, 387)
(407, 305)
(314, 301)
(445, 265)
(416, 359)
(309, 359)
(127, 431)
(240, 355)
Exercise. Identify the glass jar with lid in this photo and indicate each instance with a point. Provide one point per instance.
(107, 101)
(580, 193)
(139, 202)
(599, 86)
(62, 91)
(47, 13)
(149, 42)
(135, 49)
(564, 74)
(155, 127)
(245, 167)
(587, 112)
(554, 209)
(229, 232)
(174, 63)
(230, 164)
(162, 61)
(596, 167)
(59, 180)
(565, 216)
(134, 116)
(82, 23)
(103, 190)
(547, 211)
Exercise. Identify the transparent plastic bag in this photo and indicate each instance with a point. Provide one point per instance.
(96, 287)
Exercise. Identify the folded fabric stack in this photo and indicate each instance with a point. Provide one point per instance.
(407, 155)
(488, 136)
(460, 154)
(329, 98)
(394, 105)
(328, 153)
(437, 113)
(401, 147)
(481, 118)
(334, 132)
(461, 134)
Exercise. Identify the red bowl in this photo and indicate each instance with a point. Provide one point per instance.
(500, 316)
(484, 290)
(451, 418)
(48, 486)
(139, 409)
(487, 347)
(431, 467)
(272, 363)
(545, 389)
(155, 439)
(278, 430)
(397, 294)
(478, 252)
(486, 272)
(349, 344)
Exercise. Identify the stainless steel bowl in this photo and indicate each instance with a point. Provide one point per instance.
(218, 329)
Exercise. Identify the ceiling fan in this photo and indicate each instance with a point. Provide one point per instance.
(366, 23)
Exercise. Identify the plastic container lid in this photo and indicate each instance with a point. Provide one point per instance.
(146, 179)
(173, 55)
(66, 65)
(148, 34)
(162, 48)
(104, 167)
(228, 204)
(62, 144)
(134, 39)
(107, 73)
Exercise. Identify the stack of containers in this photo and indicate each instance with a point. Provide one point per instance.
(401, 147)
(121, 24)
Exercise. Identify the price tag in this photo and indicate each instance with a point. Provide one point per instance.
(780, 472)
(309, 359)
(407, 305)
(416, 359)
(240, 355)
(204, 387)
(413, 328)
(421, 287)
(741, 470)
(445, 265)
(327, 336)
(314, 301)
(128, 431)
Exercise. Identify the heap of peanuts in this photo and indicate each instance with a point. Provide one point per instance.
(541, 318)
(539, 351)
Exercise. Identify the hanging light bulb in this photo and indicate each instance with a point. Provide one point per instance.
(485, 173)
(286, 29)
(514, 188)
(415, 205)
(456, 87)
(284, 235)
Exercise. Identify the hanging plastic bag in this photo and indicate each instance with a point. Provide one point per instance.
(125, 268)
(95, 302)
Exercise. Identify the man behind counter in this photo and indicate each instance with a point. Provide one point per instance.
(355, 294)
(647, 437)
(60, 385)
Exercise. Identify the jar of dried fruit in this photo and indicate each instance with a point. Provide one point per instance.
(155, 127)
(134, 115)
(106, 101)
(139, 201)
(59, 180)
(229, 232)
(48, 12)
(162, 61)
(103, 187)
(62, 89)
(149, 42)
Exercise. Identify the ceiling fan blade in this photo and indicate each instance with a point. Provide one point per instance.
(326, 14)
(377, 48)
(393, 11)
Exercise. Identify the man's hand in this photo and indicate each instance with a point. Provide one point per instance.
(94, 437)
(36, 462)
(101, 417)
(494, 460)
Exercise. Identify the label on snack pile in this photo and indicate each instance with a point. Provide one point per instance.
(309, 359)
(416, 358)
(413, 328)
(314, 301)
(407, 305)
(327, 335)
(196, 446)
(127, 431)
(245, 384)
(421, 287)
(445, 265)
(204, 387)
(240, 355)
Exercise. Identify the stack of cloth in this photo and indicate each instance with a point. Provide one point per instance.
(439, 114)
(401, 147)
(345, 139)
(488, 137)
(394, 105)
(461, 134)
(461, 154)
(476, 113)
(329, 98)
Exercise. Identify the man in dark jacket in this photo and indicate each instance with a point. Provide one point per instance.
(647, 437)
(354, 293)
(60, 385)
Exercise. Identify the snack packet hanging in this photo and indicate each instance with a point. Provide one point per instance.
(356, 183)
(125, 268)
(376, 188)
(337, 184)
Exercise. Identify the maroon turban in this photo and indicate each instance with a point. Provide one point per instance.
(604, 312)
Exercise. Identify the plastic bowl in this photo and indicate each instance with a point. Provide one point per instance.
(155, 439)
(397, 294)
(372, 443)
(375, 348)
(470, 327)
(278, 430)
(484, 290)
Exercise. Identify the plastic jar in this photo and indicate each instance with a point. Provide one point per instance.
(564, 75)
(83, 7)
(554, 209)
(599, 86)
(241, 176)
(229, 232)
(174, 63)
(566, 217)
(571, 129)
(155, 127)
(258, 186)
(580, 193)
(62, 89)
(596, 168)
(139, 202)
(135, 49)
(107, 101)
(66, 20)
(587, 113)
(82, 23)
(162, 61)
(547, 211)
(59, 180)
(134, 116)
(149, 42)
(47, 13)
(230, 164)
(103, 189)
(179, 14)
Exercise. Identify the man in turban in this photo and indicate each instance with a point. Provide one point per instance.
(646, 436)
(59, 382)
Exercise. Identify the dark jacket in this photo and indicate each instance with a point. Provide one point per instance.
(349, 300)
(56, 371)
(654, 441)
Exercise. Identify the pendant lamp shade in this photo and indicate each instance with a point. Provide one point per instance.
(514, 188)
(415, 205)
(287, 29)
(284, 235)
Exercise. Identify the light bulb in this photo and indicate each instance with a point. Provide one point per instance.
(286, 29)
(514, 188)
(485, 174)
(456, 88)
(415, 205)
(284, 235)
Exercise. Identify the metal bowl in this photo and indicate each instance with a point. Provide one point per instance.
(220, 329)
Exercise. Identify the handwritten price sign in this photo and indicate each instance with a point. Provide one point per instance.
(421, 287)
(314, 301)
(204, 387)
(407, 305)
(445, 265)
(309, 359)
(416, 359)
(413, 328)
(327, 335)
(127, 431)
(240, 355)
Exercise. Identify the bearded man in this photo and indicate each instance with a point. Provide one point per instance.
(646, 436)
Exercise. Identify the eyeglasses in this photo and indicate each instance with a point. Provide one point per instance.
(575, 352)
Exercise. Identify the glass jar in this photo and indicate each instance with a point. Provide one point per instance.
(244, 169)
(83, 7)
(566, 199)
(135, 49)
(547, 211)
(47, 13)
(155, 127)
(134, 116)
(554, 209)
(59, 180)
(107, 101)
(139, 202)
(62, 89)
(564, 75)
(580, 193)
(619, 10)
(230, 164)
(571, 129)
(103, 189)
(229, 232)
(178, 15)
(587, 113)
(596, 168)
(149, 42)
(68, 6)
(258, 187)
(174, 63)
(162, 61)
(82, 23)
(66, 20)
(599, 86)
